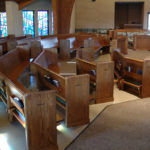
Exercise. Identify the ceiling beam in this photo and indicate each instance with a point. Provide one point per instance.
(22, 3)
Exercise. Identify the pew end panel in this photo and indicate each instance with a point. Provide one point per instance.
(65, 49)
(41, 105)
(77, 97)
(146, 79)
(104, 82)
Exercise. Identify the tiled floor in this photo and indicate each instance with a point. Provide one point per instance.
(12, 136)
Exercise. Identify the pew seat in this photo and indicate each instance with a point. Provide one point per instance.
(14, 63)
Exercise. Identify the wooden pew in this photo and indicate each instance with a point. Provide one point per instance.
(101, 77)
(27, 108)
(76, 105)
(121, 44)
(141, 42)
(132, 74)
(49, 42)
(14, 63)
(85, 54)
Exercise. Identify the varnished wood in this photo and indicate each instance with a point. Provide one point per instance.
(146, 79)
(141, 42)
(85, 54)
(77, 103)
(104, 82)
(103, 79)
(69, 94)
(122, 44)
(65, 49)
(41, 133)
(132, 72)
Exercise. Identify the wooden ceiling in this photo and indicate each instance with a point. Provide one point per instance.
(22, 3)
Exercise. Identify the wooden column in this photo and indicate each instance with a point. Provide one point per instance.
(62, 10)
(55, 15)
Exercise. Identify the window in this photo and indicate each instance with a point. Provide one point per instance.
(149, 21)
(43, 22)
(3, 24)
(28, 23)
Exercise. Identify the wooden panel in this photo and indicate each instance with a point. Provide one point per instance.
(23, 4)
(146, 79)
(120, 15)
(2, 6)
(77, 95)
(85, 54)
(14, 62)
(135, 13)
(85, 67)
(65, 49)
(62, 11)
(40, 71)
(122, 44)
(65, 12)
(142, 42)
(41, 133)
(89, 43)
(46, 58)
(128, 13)
(36, 48)
(104, 82)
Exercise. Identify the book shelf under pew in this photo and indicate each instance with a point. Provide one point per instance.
(133, 74)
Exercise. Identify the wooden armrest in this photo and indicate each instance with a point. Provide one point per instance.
(129, 83)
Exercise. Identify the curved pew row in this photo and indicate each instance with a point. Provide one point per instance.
(132, 74)
(27, 106)
(72, 92)
(101, 78)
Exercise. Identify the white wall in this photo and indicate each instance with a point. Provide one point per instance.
(14, 18)
(100, 14)
(73, 18)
